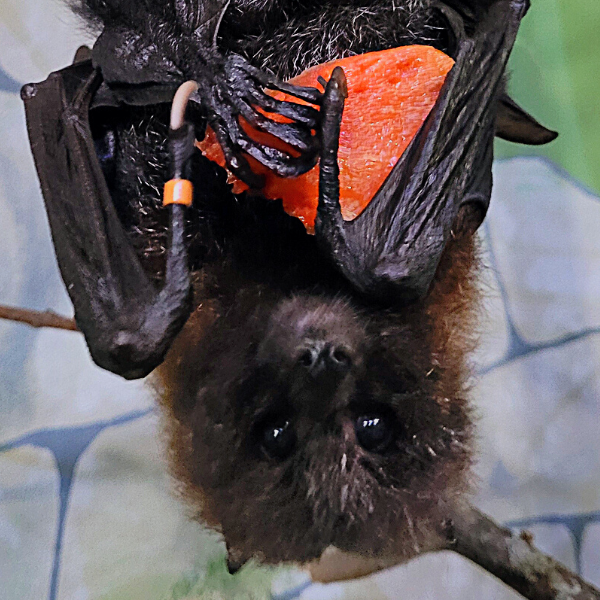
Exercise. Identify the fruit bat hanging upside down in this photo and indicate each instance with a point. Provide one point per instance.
(314, 384)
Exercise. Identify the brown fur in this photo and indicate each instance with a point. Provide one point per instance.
(234, 362)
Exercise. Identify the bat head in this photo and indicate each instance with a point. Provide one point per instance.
(302, 420)
(305, 421)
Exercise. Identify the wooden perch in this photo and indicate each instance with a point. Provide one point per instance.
(512, 558)
(36, 318)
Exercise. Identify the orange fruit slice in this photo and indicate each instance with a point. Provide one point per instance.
(390, 94)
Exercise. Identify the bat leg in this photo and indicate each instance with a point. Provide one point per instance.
(128, 324)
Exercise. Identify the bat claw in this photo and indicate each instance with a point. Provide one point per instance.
(266, 80)
(329, 216)
(240, 91)
(236, 161)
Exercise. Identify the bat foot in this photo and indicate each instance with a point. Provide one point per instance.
(239, 91)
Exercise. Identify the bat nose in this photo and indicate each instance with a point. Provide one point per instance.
(320, 357)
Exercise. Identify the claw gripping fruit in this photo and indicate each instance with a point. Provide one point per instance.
(390, 94)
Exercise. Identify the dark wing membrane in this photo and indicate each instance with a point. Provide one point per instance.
(393, 248)
(152, 41)
(127, 323)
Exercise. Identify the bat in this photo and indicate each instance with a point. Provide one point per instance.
(315, 386)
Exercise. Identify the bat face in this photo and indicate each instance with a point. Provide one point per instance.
(306, 421)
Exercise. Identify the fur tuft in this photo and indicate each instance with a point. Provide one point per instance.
(132, 13)
(287, 45)
(271, 34)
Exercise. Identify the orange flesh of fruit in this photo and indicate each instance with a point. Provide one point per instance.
(390, 94)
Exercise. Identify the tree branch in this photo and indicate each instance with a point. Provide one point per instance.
(36, 318)
(512, 558)
(515, 560)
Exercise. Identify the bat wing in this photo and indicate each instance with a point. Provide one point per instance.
(443, 180)
(127, 323)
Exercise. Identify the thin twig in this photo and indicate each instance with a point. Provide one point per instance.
(36, 318)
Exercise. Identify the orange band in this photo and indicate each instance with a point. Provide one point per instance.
(178, 191)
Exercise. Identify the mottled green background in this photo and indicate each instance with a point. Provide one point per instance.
(555, 75)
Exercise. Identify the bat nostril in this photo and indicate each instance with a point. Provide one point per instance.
(321, 357)
(308, 357)
(340, 357)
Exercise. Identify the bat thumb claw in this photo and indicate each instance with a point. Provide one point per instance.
(338, 85)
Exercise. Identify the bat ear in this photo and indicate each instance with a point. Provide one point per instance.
(83, 53)
(515, 125)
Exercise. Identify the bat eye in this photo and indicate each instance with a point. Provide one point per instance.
(278, 439)
(373, 431)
